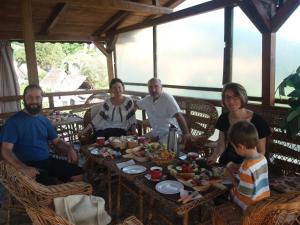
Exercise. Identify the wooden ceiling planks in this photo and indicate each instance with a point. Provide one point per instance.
(198, 9)
(103, 18)
(117, 5)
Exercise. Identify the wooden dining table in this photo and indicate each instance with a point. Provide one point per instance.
(146, 188)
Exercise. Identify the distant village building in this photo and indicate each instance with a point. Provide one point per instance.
(58, 80)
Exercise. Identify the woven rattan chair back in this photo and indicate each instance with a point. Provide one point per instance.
(278, 209)
(283, 151)
(201, 116)
(132, 220)
(36, 198)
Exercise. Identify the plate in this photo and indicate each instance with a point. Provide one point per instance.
(169, 187)
(95, 151)
(134, 169)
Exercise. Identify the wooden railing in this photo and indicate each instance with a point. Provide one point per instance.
(52, 106)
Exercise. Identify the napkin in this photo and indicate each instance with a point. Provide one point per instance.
(124, 164)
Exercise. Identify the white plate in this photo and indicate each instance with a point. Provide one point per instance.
(95, 151)
(169, 187)
(134, 169)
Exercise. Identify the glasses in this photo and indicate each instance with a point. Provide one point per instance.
(234, 98)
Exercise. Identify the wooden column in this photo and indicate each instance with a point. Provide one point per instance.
(268, 68)
(110, 67)
(228, 39)
(156, 3)
(154, 51)
(29, 42)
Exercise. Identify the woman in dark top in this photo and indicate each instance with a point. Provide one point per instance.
(234, 98)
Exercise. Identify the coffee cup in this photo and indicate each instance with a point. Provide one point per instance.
(100, 141)
(192, 156)
(155, 172)
(141, 140)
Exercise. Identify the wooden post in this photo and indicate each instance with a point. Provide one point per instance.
(228, 37)
(154, 51)
(156, 3)
(29, 42)
(268, 68)
(110, 68)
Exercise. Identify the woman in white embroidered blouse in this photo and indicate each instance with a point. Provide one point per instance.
(116, 116)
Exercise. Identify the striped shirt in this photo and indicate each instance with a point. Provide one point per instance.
(254, 183)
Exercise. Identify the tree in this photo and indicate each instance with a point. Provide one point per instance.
(49, 55)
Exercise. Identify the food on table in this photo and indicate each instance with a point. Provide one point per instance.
(192, 175)
(138, 153)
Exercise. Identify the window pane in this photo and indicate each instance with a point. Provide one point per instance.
(288, 48)
(193, 56)
(246, 67)
(135, 56)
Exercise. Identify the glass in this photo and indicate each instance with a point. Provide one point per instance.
(287, 48)
(246, 63)
(135, 56)
(194, 56)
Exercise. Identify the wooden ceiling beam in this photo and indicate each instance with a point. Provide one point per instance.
(54, 17)
(18, 36)
(283, 14)
(117, 4)
(256, 12)
(198, 9)
(173, 3)
(101, 47)
(111, 22)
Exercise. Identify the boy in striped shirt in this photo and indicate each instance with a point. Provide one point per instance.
(253, 182)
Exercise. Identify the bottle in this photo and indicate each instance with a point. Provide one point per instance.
(172, 140)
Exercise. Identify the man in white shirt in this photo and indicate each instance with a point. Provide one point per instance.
(163, 110)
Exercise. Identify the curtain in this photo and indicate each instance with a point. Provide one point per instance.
(9, 85)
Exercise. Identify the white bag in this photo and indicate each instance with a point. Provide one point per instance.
(82, 209)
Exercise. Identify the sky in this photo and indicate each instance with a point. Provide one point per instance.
(190, 51)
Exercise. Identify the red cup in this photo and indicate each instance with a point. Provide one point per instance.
(155, 172)
(141, 140)
(100, 141)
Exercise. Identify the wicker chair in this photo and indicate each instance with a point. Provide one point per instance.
(201, 117)
(37, 199)
(278, 209)
(132, 220)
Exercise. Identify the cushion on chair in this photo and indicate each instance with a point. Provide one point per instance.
(82, 209)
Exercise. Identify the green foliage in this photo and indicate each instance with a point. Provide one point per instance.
(54, 55)
(73, 48)
(96, 72)
(49, 55)
(19, 53)
(292, 121)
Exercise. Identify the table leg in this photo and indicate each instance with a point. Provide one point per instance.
(185, 219)
(141, 205)
(150, 215)
(109, 191)
(119, 196)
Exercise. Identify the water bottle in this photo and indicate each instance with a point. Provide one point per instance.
(172, 140)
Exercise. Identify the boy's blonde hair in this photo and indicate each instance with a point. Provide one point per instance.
(245, 133)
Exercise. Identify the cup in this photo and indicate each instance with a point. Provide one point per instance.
(141, 140)
(100, 141)
(192, 156)
(155, 172)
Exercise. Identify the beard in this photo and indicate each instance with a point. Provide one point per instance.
(33, 109)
